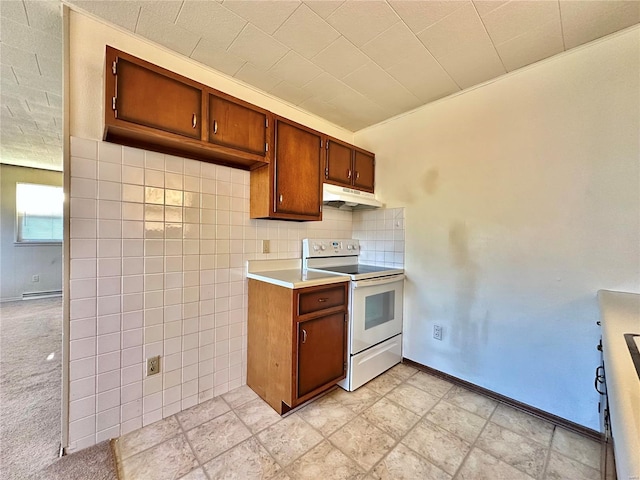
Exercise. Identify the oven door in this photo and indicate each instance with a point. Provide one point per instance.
(376, 311)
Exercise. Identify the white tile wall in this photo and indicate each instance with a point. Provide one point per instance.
(381, 235)
(158, 248)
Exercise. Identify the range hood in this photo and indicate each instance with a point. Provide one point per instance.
(348, 198)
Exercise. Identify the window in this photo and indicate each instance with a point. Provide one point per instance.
(39, 210)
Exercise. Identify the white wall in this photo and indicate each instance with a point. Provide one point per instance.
(522, 199)
(18, 263)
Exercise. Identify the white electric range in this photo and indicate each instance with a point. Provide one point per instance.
(375, 307)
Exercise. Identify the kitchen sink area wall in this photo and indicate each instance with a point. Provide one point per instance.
(521, 202)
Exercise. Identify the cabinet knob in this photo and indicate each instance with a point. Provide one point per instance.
(215, 127)
(194, 120)
(304, 336)
(323, 300)
(280, 199)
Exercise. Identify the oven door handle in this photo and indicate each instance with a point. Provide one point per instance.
(371, 282)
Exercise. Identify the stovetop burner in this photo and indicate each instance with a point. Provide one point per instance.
(341, 256)
(357, 269)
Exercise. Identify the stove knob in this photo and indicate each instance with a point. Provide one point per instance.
(349, 247)
(323, 247)
(315, 247)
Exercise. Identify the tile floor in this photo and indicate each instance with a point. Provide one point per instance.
(405, 424)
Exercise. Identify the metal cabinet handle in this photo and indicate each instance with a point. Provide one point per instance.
(281, 198)
(348, 173)
(323, 299)
(194, 120)
(304, 336)
(215, 127)
(357, 175)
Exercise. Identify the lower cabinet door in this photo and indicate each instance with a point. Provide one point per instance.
(321, 352)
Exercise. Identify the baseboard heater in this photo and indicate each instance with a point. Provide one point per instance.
(32, 295)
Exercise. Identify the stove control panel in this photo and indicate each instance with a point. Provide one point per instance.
(330, 248)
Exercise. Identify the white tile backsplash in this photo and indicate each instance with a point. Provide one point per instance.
(133, 157)
(84, 148)
(162, 275)
(381, 235)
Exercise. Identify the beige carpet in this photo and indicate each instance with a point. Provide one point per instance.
(30, 386)
(93, 463)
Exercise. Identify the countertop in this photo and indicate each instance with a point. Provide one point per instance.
(289, 274)
(620, 314)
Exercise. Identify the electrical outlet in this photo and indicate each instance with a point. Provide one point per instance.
(265, 246)
(35, 278)
(437, 332)
(153, 365)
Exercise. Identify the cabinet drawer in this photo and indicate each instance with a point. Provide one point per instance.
(322, 299)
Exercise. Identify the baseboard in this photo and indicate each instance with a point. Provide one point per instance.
(536, 412)
(10, 299)
(37, 295)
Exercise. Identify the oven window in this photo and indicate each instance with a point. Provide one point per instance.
(378, 309)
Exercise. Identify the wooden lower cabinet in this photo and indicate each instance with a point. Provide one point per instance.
(297, 341)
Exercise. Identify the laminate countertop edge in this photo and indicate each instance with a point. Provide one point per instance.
(297, 278)
(620, 314)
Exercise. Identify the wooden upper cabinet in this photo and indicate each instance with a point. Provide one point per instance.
(152, 108)
(290, 188)
(338, 164)
(349, 166)
(146, 97)
(237, 124)
(298, 183)
(364, 165)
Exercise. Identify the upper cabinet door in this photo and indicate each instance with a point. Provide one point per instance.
(297, 175)
(149, 107)
(363, 170)
(338, 164)
(349, 166)
(149, 98)
(237, 125)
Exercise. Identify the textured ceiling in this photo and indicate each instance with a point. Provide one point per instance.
(354, 62)
(31, 83)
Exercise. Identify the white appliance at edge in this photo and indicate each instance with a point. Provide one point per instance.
(374, 341)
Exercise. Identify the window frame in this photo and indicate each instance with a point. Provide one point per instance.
(19, 216)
